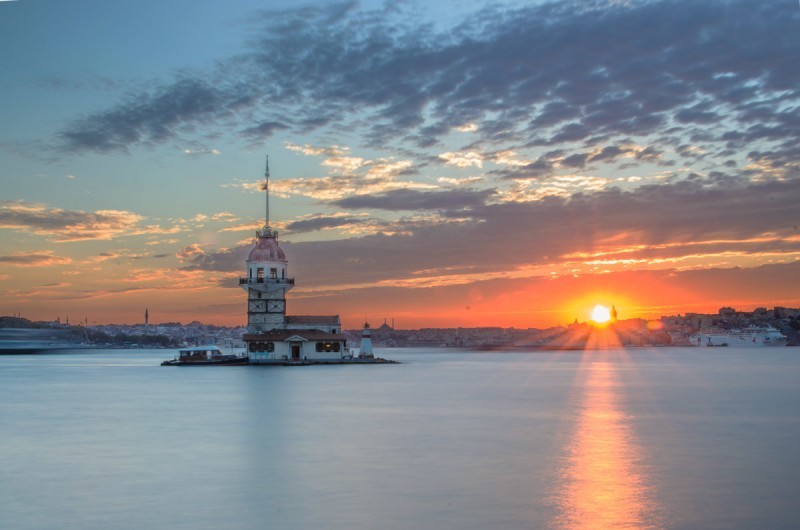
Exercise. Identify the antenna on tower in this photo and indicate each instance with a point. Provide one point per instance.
(267, 231)
(266, 188)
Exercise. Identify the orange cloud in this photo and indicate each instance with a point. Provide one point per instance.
(61, 226)
(190, 252)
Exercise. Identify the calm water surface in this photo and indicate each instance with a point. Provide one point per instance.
(663, 438)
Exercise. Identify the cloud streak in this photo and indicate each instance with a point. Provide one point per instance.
(679, 224)
(62, 226)
(45, 258)
(407, 199)
(347, 176)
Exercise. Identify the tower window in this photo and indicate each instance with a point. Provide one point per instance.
(260, 274)
(273, 273)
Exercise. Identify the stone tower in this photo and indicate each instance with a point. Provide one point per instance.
(267, 279)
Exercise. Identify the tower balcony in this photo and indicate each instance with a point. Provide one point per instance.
(272, 281)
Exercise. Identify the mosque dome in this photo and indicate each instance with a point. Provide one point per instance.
(266, 249)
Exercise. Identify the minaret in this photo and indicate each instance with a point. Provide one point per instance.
(365, 350)
(613, 314)
(267, 277)
(146, 317)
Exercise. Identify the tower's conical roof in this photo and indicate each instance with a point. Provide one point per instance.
(267, 249)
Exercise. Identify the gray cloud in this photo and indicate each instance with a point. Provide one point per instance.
(264, 130)
(538, 75)
(538, 169)
(228, 260)
(69, 225)
(34, 259)
(405, 199)
(150, 117)
(322, 222)
(17, 214)
(576, 160)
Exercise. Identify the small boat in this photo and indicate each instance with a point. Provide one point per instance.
(205, 355)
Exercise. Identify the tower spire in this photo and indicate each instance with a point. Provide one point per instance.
(266, 188)
(267, 231)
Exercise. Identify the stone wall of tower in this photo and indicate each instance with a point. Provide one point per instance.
(259, 322)
(266, 302)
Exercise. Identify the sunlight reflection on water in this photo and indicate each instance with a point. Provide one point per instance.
(602, 482)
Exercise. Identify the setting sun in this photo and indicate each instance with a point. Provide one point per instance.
(601, 314)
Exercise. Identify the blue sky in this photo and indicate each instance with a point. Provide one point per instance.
(462, 162)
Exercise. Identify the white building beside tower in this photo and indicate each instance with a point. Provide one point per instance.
(272, 335)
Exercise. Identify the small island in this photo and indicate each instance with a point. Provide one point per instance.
(273, 337)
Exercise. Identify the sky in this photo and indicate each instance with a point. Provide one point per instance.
(465, 163)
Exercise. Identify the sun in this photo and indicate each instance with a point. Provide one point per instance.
(601, 314)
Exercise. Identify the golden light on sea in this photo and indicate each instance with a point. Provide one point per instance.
(603, 482)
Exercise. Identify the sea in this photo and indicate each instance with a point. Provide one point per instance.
(673, 438)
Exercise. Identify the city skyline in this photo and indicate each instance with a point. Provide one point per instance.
(465, 164)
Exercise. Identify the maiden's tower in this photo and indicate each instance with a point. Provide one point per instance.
(272, 335)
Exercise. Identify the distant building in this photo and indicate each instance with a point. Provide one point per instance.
(783, 312)
(272, 336)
